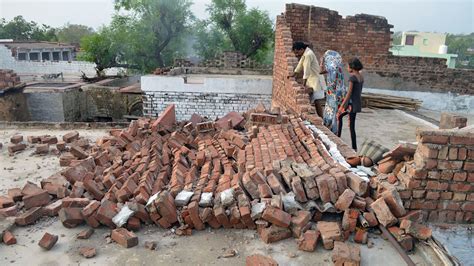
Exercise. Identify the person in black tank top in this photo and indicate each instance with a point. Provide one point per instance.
(352, 103)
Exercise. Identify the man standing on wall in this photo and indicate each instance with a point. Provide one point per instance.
(313, 82)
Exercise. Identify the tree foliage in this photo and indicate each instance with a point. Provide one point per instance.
(459, 44)
(154, 25)
(20, 29)
(73, 33)
(232, 26)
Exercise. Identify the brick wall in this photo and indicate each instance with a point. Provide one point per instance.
(368, 37)
(287, 93)
(439, 181)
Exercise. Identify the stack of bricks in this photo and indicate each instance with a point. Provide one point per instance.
(440, 179)
(188, 177)
(8, 78)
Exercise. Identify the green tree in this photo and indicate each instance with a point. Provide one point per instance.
(459, 44)
(155, 25)
(397, 38)
(73, 33)
(231, 23)
(21, 30)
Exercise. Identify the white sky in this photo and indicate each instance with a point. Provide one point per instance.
(453, 16)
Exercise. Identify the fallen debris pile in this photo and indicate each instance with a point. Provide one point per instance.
(276, 174)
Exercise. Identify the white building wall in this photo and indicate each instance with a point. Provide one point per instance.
(207, 96)
(7, 61)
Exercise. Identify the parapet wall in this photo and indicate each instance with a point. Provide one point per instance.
(439, 181)
(368, 37)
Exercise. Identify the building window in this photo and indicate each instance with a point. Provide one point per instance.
(409, 39)
(22, 56)
(34, 56)
(55, 56)
(66, 56)
(425, 41)
(45, 56)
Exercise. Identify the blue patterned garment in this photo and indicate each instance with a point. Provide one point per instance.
(335, 89)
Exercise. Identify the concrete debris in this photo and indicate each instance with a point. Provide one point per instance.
(122, 216)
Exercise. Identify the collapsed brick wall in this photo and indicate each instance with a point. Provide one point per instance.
(368, 37)
(439, 181)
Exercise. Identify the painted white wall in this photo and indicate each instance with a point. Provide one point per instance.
(208, 84)
(7, 61)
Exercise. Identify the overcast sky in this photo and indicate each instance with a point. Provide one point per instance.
(453, 16)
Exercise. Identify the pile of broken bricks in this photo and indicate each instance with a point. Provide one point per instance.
(261, 170)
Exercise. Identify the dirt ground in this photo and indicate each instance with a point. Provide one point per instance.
(203, 247)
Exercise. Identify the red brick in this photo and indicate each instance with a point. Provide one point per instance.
(78, 152)
(71, 136)
(345, 200)
(36, 200)
(415, 229)
(260, 260)
(434, 139)
(29, 217)
(106, 212)
(87, 252)
(42, 148)
(133, 224)
(345, 254)
(370, 217)
(8, 238)
(274, 233)
(48, 241)
(468, 207)
(12, 148)
(330, 232)
(166, 120)
(361, 236)
(277, 217)
(71, 217)
(383, 213)
(469, 166)
(308, 241)
(394, 202)
(124, 237)
(53, 208)
(85, 234)
(16, 139)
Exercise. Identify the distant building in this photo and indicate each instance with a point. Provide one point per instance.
(424, 44)
(40, 51)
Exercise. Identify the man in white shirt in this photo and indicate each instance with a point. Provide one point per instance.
(312, 80)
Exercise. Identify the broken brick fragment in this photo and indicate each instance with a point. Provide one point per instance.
(87, 252)
(8, 238)
(308, 241)
(48, 241)
(415, 229)
(124, 237)
(260, 260)
(29, 217)
(85, 234)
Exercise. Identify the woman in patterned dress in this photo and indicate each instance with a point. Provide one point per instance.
(331, 64)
